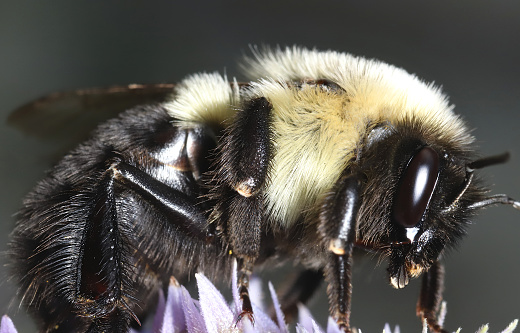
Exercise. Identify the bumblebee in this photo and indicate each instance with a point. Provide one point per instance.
(319, 154)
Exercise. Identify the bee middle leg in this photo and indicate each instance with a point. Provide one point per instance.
(245, 152)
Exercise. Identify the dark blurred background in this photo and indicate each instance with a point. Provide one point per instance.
(469, 47)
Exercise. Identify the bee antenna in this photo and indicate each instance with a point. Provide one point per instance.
(487, 161)
(494, 200)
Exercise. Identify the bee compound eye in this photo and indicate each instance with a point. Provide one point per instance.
(416, 186)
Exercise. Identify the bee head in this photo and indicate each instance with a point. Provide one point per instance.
(417, 198)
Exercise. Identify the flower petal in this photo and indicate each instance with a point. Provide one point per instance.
(263, 322)
(173, 314)
(278, 310)
(511, 327)
(234, 289)
(7, 326)
(255, 292)
(217, 315)
(192, 315)
(305, 319)
(483, 329)
(301, 329)
(247, 327)
(159, 313)
(332, 326)
(316, 328)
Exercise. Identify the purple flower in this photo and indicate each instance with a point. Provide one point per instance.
(213, 314)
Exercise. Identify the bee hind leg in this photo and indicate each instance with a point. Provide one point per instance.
(106, 295)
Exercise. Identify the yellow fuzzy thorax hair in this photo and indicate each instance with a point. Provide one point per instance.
(316, 131)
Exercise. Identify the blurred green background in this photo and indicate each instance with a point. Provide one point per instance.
(469, 47)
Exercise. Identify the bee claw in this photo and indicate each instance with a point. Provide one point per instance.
(248, 314)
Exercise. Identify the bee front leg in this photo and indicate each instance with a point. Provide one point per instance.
(338, 225)
(431, 296)
(339, 277)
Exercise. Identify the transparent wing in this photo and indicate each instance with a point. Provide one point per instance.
(70, 116)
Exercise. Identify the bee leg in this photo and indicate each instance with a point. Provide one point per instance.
(179, 208)
(106, 290)
(245, 271)
(101, 295)
(431, 296)
(241, 175)
(338, 224)
(246, 149)
(299, 291)
(244, 233)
